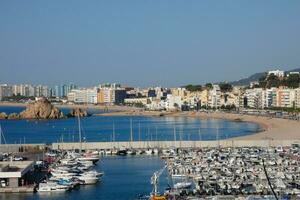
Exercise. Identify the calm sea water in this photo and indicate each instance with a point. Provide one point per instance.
(100, 128)
(124, 179)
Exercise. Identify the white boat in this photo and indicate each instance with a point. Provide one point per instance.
(177, 176)
(182, 185)
(88, 180)
(149, 152)
(93, 173)
(94, 159)
(52, 187)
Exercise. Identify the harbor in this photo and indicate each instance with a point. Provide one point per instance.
(231, 172)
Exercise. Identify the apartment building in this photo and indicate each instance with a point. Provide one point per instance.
(214, 97)
(297, 98)
(285, 98)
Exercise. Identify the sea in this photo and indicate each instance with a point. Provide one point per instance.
(125, 177)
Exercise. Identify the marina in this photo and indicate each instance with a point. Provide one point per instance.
(188, 164)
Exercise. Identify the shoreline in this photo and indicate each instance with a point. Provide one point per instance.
(271, 128)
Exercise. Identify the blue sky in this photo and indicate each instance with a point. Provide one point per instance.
(145, 43)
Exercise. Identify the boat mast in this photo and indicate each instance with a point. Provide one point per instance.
(0, 135)
(131, 132)
(174, 136)
(218, 136)
(113, 134)
(139, 131)
(79, 132)
(200, 136)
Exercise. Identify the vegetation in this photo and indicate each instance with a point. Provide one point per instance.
(193, 88)
(209, 86)
(17, 98)
(291, 81)
(225, 87)
(290, 110)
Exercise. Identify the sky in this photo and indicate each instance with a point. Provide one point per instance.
(146, 42)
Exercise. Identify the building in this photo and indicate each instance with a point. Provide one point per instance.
(297, 98)
(214, 97)
(106, 96)
(278, 73)
(285, 98)
(5, 91)
(120, 96)
(81, 96)
(173, 103)
(255, 98)
(92, 95)
(14, 173)
(133, 101)
(111, 95)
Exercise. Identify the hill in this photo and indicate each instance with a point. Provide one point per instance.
(255, 77)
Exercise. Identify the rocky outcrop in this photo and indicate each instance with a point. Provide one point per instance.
(13, 116)
(75, 112)
(41, 109)
(3, 115)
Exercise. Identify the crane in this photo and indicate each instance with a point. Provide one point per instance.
(154, 181)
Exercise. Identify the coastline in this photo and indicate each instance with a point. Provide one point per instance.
(271, 128)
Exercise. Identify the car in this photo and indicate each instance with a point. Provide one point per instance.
(3, 183)
(18, 158)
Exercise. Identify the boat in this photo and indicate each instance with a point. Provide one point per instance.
(52, 187)
(182, 185)
(88, 180)
(122, 151)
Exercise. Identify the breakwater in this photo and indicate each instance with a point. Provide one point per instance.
(174, 144)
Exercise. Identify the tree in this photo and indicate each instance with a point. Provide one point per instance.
(225, 87)
(292, 81)
(273, 81)
(209, 86)
(193, 88)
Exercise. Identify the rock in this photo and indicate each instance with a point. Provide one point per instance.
(3, 115)
(41, 109)
(13, 116)
(75, 112)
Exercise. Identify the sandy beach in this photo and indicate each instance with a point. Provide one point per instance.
(272, 128)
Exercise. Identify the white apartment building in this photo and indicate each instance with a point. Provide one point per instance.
(297, 98)
(255, 98)
(83, 96)
(173, 102)
(214, 97)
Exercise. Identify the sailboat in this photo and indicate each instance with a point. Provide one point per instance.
(131, 151)
(86, 156)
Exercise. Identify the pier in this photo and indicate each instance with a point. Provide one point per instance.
(172, 144)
